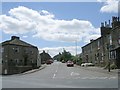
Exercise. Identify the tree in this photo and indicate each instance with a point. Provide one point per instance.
(58, 57)
(67, 56)
(64, 56)
(77, 60)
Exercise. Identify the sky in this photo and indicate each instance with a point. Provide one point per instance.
(54, 26)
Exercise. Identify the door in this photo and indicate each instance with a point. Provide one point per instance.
(118, 57)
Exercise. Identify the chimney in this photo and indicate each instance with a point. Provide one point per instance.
(14, 37)
(102, 24)
(105, 23)
(115, 22)
(118, 18)
(113, 19)
(91, 40)
(109, 23)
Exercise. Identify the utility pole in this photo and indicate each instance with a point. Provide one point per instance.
(76, 50)
(76, 46)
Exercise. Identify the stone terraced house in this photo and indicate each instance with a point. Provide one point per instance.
(18, 56)
(105, 48)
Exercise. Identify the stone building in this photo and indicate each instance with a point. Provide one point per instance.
(18, 56)
(105, 48)
(114, 48)
(44, 57)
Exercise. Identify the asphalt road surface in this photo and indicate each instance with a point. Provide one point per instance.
(58, 75)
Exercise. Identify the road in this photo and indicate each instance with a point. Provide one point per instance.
(58, 75)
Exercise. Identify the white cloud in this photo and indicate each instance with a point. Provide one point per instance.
(46, 13)
(109, 6)
(55, 50)
(24, 36)
(14, 26)
(42, 24)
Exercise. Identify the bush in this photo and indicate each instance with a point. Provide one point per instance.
(106, 66)
(113, 66)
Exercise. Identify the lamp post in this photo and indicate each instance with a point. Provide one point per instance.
(108, 47)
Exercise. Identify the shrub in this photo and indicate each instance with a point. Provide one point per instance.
(113, 66)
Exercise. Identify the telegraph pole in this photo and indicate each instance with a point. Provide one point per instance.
(76, 50)
(76, 46)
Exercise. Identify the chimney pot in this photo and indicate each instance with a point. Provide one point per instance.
(109, 22)
(118, 18)
(102, 24)
(105, 23)
(14, 37)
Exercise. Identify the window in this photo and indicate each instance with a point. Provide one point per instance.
(16, 49)
(113, 55)
(11, 62)
(26, 50)
(102, 56)
(31, 52)
(17, 61)
(2, 49)
(110, 39)
(91, 48)
(119, 40)
(0, 60)
(98, 44)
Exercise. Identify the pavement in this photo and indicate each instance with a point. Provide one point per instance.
(100, 69)
(34, 70)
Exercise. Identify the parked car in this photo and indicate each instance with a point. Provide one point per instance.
(87, 64)
(63, 61)
(70, 63)
(49, 62)
(55, 60)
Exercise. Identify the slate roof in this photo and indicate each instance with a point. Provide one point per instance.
(17, 41)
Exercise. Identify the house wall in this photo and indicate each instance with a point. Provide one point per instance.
(100, 54)
(19, 58)
(93, 52)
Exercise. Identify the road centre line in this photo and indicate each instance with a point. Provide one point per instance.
(71, 73)
(54, 75)
(56, 71)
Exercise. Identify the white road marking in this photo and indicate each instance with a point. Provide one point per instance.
(71, 73)
(112, 77)
(93, 77)
(74, 74)
(56, 71)
(85, 77)
(54, 75)
(97, 77)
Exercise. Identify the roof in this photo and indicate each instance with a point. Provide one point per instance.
(115, 48)
(92, 42)
(17, 41)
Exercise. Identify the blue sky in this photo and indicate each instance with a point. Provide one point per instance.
(65, 23)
